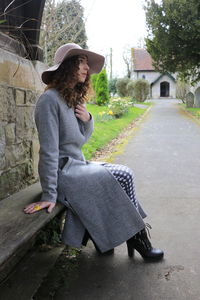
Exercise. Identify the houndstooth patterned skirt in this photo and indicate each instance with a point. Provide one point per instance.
(125, 177)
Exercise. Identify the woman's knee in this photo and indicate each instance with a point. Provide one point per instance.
(127, 173)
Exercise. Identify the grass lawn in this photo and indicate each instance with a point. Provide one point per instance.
(105, 131)
(193, 110)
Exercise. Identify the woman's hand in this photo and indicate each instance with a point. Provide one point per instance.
(82, 113)
(36, 206)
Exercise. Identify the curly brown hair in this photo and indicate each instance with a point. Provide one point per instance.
(63, 81)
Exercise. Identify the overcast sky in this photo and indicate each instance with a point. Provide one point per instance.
(114, 24)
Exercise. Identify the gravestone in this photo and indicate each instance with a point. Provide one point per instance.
(197, 97)
(189, 100)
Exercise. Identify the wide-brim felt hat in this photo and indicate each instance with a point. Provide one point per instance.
(95, 60)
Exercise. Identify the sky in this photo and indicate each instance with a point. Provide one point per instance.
(114, 24)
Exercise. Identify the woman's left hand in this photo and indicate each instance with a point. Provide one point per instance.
(36, 206)
(82, 113)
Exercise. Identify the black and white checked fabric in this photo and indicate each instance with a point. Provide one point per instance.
(125, 177)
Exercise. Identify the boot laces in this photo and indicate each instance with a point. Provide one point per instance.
(148, 227)
(144, 236)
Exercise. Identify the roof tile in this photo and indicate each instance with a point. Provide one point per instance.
(142, 60)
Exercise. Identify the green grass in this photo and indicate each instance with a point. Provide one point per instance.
(105, 131)
(195, 111)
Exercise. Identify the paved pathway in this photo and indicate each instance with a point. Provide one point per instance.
(165, 156)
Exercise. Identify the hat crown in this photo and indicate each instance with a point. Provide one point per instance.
(62, 51)
(95, 60)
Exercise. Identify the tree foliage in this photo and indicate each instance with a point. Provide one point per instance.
(112, 86)
(93, 79)
(101, 87)
(92, 92)
(174, 36)
(182, 89)
(62, 22)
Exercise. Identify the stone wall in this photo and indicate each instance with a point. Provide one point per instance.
(20, 86)
(151, 76)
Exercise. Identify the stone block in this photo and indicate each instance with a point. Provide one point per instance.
(20, 97)
(15, 154)
(2, 145)
(11, 106)
(25, 124)
(31, 97)
(10, 133)
(2, 163)
(4, 185)
(20, 72)
(13, 180)
(2, 132)
(3, 104)
(35, 157)
(7, 104)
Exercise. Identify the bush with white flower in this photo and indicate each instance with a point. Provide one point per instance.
(119, 106)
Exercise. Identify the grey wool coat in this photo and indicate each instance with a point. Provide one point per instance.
(94, 198)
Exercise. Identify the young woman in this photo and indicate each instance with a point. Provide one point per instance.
(100, 197)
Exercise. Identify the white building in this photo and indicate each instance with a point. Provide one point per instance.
(161, 85)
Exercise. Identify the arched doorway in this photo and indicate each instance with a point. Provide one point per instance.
(164, 89)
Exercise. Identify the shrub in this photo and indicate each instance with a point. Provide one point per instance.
(130, 89)
(101, 87)
(141, 89)
(121, 86)
(112, 86)
(119, 107)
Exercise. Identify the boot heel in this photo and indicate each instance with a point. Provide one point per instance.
(130, 250)
(85, 238)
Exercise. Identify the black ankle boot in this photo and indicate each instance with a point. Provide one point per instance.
(141, 243)
(85, 240)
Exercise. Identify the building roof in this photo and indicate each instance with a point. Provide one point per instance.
(161, 75)
(142, 60)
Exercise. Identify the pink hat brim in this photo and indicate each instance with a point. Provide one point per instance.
(95, 62)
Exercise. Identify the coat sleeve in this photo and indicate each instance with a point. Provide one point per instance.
(88, 127)
(47, 122)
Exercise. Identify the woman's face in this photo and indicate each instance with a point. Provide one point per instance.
(83, 68)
